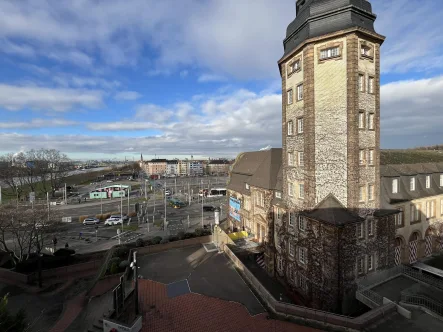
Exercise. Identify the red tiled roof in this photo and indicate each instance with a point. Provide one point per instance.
(195, 312)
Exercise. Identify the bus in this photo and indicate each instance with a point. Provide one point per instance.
(217, 192)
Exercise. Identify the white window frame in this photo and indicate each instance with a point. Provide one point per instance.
(300, 92)
(301, 190)
(371, 157)
(291, 249)
(371, 117)
(361, 120)
(365, 50)
(278, 194)
(290, 189)
(290, 97)
(301, 158)
(370, 192)
(300, 126)
(428, 181)
(413, 213)
(302, 223)
(370, 227)
(302, 282)
(412, 184)
(330, 52)
(290, 218)
(360, 230)
(277, 213)
(303, 255)
(399, 217)
(247, 186)
(296, 65)
(370, 262)
(395, 186)
(441, 180)
(360, 265)
(290, 159)
(371, 84)
(290, 128)
(259, 199)
(362, 194)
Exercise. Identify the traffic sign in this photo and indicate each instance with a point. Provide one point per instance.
(32, 196)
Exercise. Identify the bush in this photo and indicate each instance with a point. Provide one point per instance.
(206, 232)
(198, 232)
(115, 213)
(106, 216)
(139, 242)
(102, 217)
(163, 241)
(173, 238)
(82, 218)
(156, 240)
(64, 252)
(114, 268)
(132, 214)
(148, 243)
(121, 252)
(181, 235)
(123, 264)
(189, 235)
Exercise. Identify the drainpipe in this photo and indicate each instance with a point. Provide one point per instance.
(339, 278)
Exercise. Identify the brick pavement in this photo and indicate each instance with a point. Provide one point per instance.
(71, 310)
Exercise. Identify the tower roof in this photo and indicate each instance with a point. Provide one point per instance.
(320, 17)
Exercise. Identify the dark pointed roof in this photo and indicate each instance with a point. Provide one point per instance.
(320, 17)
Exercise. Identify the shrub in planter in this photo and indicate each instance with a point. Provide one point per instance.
(198, 232)
(173, 238)
(82, 218)
(114, 268)
(123, 264)
(132, 214)
(165, 240)
(181, 235)
(139, 242)
(148, 243)
(189, 235)
(115, 213)
(121, 252)
(156, 240)
(206, 232)
(112, 261)
(106, 216)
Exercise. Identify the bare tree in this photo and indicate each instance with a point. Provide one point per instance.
(12, 174)
(23, 232)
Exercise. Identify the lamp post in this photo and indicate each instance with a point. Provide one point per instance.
(216, 223)
(134, 267)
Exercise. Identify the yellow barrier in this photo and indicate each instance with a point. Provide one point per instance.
(238, 235)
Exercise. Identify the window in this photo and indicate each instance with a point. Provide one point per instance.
(360, 265)
(302, 283)
(290, 128)
(303, 255)
(399, 218)
(395, 186)
(277, 213)
(360, 232)
(300, 92)
(291, 249)
(370, 262)
(290, 159)
(290, 189)
(365, 50)
(441, 180)
(247, 204)
(300, 125)
(361, 196)
(280, 264)
(361, 82)
(331, 52)
(291, 218)
(430, 206)
(296, 66)
(371, 84)
(371, 121)
(301, 158)
(371, 157)
(301, 193)
(247, 186)
(259, 199)
(302, 223)
(370, 192)
(362, 157)
(412, 184)
(428, 181)
(441, 207)
(290, 96)
(361, 120)
(415, 213)
(370, 227)
(278, 194)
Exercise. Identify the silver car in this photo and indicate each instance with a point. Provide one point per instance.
(91, 221)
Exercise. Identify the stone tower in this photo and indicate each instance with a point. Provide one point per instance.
(330, 74)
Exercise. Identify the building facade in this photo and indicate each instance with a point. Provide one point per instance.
(218, 167)
(172, 167)
(157, 166)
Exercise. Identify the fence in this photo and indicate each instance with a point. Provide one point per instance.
(323, 318)
(423, 302)
(422, 277)
(173, 245)
(382, 276)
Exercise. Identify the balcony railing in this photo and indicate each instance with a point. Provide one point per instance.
(423, 302)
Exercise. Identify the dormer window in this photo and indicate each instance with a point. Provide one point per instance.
(366, 50)
(395, 186)
(428, 181)
(247, 186)
(412, 184)
(296, 66)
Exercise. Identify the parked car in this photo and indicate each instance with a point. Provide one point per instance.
(208, 208)
(109, 181)
(113, 221)
(91, 221)
(178, 205)
(168, 193)
(117, 216)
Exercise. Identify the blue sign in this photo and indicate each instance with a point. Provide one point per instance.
(234, 208)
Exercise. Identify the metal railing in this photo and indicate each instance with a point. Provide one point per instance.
(422, 277)
(374, 279)
(423, 301)
(373, 297)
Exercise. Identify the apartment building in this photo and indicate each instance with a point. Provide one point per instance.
(172, 167)
(157, 166)
(221, 166)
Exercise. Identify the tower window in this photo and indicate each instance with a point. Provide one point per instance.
(290, 159)
(331, 52)
(301, 158)
(291, 249)
(371, 157)
(371, 192)
(361, 196)
(361, 82)
(300, 125)
(299, 92)
(290, 189)
(428, 181)
(371, 84)
(362, 156)
(361, 120)
(412, 184)
(301, 192)
(441, 180)
(290, 96)
(290, 128)
(395, 186)
(371, 121)
(366, 51)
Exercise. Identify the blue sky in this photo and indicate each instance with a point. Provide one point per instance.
(109, 79)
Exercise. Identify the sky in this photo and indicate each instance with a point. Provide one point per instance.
(103, 79)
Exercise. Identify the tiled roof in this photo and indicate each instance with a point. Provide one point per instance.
(198, 313)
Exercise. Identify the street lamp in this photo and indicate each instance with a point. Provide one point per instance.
(216, 223)
(134, 267)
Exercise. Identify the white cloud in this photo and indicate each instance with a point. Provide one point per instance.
(37, 123)
(210, 78)
(13, 98)
(122, 125)
(154, 113)
(16, 49)
(127, 95)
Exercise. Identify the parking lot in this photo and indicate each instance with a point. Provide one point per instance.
(207, 273)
